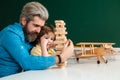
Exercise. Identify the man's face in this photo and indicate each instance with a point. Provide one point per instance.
(33, 28)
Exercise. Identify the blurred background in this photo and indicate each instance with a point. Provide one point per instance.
(86, 20)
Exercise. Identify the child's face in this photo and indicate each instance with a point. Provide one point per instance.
(50, 37)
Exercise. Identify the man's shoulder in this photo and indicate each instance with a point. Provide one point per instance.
(15, 28)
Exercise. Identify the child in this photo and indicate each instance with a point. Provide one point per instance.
(44, 42)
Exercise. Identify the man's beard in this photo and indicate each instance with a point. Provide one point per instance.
(29, 36)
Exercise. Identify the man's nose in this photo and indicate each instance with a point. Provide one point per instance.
(38, 30)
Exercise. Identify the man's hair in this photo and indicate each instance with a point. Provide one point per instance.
(32, 9)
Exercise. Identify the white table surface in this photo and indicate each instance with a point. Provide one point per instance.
(86, 69)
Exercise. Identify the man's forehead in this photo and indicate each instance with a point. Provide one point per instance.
(38, 21)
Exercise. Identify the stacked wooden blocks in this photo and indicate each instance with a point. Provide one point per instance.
(60, 38)
(60, 35)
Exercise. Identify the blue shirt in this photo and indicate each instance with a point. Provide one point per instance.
(14, 53)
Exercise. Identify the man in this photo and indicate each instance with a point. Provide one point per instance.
(15, 43)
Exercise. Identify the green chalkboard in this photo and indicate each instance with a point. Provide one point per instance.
(86, 20)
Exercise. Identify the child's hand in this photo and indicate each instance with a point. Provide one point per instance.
(43, 44)
(44, 41)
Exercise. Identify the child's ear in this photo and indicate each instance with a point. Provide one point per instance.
(23, 21)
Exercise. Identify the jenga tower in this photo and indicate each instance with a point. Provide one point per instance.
(60, 35)
(60, 39)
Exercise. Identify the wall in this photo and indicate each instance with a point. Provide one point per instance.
(86, 20)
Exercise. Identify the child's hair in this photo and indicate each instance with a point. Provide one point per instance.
(44, 30)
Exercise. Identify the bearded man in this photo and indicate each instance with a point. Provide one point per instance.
(15, 42)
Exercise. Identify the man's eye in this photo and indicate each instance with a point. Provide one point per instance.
(36, 25)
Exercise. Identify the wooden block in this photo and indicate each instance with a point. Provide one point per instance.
(60, 29)
(59, 22)
(59, 42)
(57, 33)
(59, 47)
(61, 38)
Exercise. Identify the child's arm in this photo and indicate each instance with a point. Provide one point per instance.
(43, 44)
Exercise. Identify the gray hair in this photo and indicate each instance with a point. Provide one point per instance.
(32, 9)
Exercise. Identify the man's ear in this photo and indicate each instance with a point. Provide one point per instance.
(23, 21)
